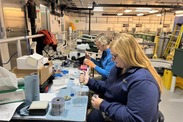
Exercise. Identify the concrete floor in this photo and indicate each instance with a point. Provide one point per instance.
(172, 105)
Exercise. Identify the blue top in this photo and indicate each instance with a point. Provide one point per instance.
(105, 64)
(131, 97)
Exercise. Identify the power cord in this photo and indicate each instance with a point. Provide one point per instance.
(10, 58)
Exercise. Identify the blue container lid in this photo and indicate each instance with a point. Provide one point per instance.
(58, 75)
(65, 71)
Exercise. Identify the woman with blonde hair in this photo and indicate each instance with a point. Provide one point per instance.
(133, 89)
(105, 64)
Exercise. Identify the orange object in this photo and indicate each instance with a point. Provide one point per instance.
(48, 38)
(89, 63)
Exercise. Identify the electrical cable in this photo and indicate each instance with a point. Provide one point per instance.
(10, 58)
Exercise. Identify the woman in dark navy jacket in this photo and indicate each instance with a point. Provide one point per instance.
(133, 89)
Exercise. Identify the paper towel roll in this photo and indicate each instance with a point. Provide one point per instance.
(57, 104)
(32, 88)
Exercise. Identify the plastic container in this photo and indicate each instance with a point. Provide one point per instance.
(70, 85)
(167, 78)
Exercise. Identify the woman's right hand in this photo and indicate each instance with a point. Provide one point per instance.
(87, 56)
(84, 77)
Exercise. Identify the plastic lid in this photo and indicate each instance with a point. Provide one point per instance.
(72, 95)
(58, 75)
(65, 71)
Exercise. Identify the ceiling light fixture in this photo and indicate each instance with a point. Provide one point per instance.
(158, 15)
(98, 9)
(153, 11)
(178, 15)
(120, 14)
(127, 10)
(177, 12)
(140, 14)
(142, 9)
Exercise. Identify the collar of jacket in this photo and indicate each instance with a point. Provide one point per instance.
(132, 70)
(107, 51)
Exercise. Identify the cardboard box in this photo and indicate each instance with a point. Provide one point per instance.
(34, 61)
(44, 72)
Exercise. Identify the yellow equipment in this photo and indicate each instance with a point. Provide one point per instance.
(167, 80)
(156, 40)
(174, 42)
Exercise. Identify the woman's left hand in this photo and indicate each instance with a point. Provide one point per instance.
(96, 101)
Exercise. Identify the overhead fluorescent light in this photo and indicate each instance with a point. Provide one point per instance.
(177, 12)
(119, 14)
(142, 9)
(140, 14)
(178, 15)
(127, 10)
(158, 15)
(98, 9)
(153, 11)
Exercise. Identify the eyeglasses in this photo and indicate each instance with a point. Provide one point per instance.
(114, 56)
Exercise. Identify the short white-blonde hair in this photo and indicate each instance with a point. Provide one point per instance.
(103, 39)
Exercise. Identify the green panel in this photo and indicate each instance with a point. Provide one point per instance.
(177, 67)
(139, 35)
(150, 38)
(144, 37)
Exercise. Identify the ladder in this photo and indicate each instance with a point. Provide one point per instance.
(175, 40)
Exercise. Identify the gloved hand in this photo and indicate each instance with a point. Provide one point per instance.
(89, 63)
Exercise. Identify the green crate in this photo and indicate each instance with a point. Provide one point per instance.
(150, 38)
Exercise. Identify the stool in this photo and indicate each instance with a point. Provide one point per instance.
(161, 117)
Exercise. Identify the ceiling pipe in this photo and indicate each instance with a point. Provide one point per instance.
(163, 2)
(160, 12)
(80, 12)
(76, 8)
(138, 5)
(174, 7)
(136, 14)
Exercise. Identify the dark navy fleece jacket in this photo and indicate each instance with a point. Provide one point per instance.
(131, 97)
